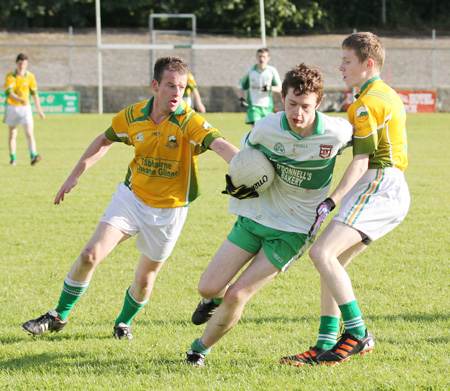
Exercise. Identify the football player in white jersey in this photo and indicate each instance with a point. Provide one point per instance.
(271, 231)
(260, 80)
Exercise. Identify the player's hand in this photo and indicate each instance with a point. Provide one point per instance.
(68, 185)
(322, 212)
(241, 192)
(243, 102)
(266, 88)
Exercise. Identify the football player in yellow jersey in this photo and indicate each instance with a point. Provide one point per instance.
(161, 181)
(19, 85)
(192, 89)
(374, 200)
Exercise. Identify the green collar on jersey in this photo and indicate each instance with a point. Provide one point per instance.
(368, 82)
(318, 130)
(257, 70)
(15, 73)
(146, 109)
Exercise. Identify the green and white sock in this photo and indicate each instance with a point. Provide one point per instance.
(353, 321)
(197, 346)
(328, 331)
(130, 309)
(71, 293)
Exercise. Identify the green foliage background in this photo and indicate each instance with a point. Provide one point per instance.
(232, 16)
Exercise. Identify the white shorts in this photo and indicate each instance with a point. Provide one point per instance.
(158, 228)
(377, 203)
(16, 115)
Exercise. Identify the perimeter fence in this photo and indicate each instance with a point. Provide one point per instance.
(69, 59)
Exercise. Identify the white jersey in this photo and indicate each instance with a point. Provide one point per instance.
(254, 80)
(303, 166)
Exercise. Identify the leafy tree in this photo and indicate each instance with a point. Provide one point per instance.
(231, 16)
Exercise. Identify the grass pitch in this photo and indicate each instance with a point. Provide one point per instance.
(402, 281)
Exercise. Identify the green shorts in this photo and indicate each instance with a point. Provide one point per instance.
(254, 113)
(281, 248)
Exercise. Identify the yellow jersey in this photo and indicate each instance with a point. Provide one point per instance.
(22, 86)
(163, 173)
(191, 84)
(379, 119)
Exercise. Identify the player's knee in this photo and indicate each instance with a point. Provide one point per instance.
(89, 256)
(317, 254)
(235, 297)
(207, 290)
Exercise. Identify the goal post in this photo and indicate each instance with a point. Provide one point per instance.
(191, 33)
(153, 46)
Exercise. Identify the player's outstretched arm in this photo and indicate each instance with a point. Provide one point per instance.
(224, 149)
(92, 155)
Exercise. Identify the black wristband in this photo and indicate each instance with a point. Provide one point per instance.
(330, 203)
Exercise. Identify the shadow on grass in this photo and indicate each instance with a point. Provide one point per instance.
(65, 335)
(72, 362)
(416, 318)
(279, 319)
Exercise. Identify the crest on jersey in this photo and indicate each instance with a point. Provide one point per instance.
(206, 125)
(172, 142)
(362, 114)
(140, 137)
(325, 151)
(279, 148)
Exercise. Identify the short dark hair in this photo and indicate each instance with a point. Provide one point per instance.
(366, 45)
(173, 64)
(262, 50)
(304, 79)
(21, 57)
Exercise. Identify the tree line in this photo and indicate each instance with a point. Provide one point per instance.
(238, 17)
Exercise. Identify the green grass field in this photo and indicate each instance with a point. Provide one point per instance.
(402, 281)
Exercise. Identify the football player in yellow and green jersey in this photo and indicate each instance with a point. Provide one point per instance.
(374, 199)
(19, 85)
(190, 86)
(192, 90)
(163, 173)
(151, 204)
(381, 133)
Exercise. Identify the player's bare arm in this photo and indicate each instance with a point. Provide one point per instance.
(356, 169)
(92, 155)
(38, 105)
(276, 89)
(199, 107)
(16, 97)
(224, 149)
